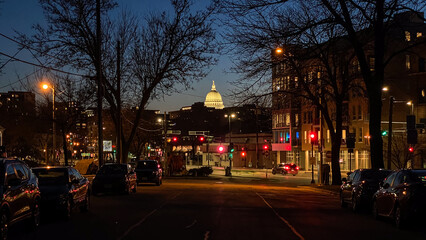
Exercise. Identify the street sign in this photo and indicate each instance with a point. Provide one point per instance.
(107, 146)
(312, 160)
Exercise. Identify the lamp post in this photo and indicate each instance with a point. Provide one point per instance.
(46, 86)
(312, 136)
(229, 116)
(391, 103)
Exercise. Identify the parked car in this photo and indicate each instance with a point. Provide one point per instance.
(286, 168)
(19, 194)
(63, 189)
(358, 189)
(149, 171)
(202, 171)
(402, 196)
(114, 177)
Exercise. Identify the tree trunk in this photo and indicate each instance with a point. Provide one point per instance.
(376, 147)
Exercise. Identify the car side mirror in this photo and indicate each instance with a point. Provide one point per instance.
(344, 179)
(13, 182)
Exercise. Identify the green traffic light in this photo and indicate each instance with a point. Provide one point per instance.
(384, 133)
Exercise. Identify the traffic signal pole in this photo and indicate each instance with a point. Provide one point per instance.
(391, 100)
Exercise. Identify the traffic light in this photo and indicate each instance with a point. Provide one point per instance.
(411, 149)
(243, 154)
(201, 139)
(231, 148)
(384, 133)
(265, 147)
(175, 139)
(220, 149)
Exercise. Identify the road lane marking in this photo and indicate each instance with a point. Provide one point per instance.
(192, 224)
(282, 219)
(131, 228)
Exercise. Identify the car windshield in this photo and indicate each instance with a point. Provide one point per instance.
(113, 169)
(146, 165)
(374, 175)
(51, 176)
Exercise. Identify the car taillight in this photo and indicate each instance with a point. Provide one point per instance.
(286, 167)
(297, 168)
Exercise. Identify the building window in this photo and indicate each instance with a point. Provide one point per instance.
(343, 134)
(287, 119)
(360, 135)
(359, 112)
(419, 34)
(296, 119)
(407, 62)
(310, 117)
(296, 82)
(372, 67)
(407, 36)
(353, 112)
(328, 136)
(421, 64)
(305, 136)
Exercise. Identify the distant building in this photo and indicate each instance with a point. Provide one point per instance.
(15, 103)
(214, 99)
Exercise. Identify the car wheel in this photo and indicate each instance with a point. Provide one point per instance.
(342, 202)
(375, 210)
(67, 210)
(86, 204)
(4, 221)
(127, 190)
(355, 204)
(398, 218)
(158, 183)
(35, 216)
(294, 174)
(273, 171)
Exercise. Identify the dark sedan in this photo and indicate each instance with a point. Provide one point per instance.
(19, 195)
(63, 189)
(286, 168)
(358, 189)
(149, 171)
(402, 196)
(114, 178)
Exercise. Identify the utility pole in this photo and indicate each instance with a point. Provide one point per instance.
(120, 154)
(54, 124)
(166, 161)
(99, 76)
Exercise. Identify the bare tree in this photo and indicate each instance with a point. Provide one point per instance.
(169, 50)
(367, 25)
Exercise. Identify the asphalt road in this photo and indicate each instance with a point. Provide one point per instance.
(218, 207)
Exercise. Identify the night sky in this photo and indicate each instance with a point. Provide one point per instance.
(20, 15)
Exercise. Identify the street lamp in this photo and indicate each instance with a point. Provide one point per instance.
(46, 86)
(391, 103)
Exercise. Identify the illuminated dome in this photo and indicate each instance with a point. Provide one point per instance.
(214, 99)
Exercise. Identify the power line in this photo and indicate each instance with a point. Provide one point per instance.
(41, 66)
(26, 46)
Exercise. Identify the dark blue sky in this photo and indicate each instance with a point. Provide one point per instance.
(20, 15)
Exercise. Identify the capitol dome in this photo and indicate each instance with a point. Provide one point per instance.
(214, 99)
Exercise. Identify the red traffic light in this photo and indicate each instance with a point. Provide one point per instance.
(411, 149)
(265, 147)
(174, 139)
(313, 135)
(201, 139)
(243, 154)
(221, 149)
